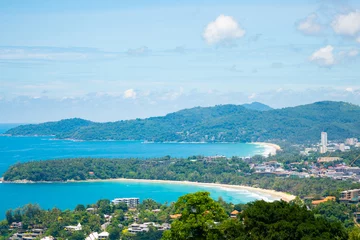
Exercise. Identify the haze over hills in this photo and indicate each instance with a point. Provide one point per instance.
(223, 123)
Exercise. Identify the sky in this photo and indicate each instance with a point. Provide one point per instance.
(110, 60)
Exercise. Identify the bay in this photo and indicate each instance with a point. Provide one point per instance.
(68, 195)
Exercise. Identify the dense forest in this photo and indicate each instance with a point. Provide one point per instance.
(223, 123)
(200, 217)
(197, 169)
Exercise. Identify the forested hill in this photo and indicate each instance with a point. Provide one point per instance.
(223, 123)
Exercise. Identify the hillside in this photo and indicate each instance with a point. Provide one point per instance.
(223, 123)
(257, 106)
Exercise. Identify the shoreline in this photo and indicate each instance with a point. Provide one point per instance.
(275, 195)
(270, 148)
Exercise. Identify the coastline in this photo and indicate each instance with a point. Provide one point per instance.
(274, 194)
(260, 191)
(270, 148)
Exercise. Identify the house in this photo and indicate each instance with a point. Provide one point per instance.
(92, 236)
(104, 235)
(136, 228)
(156, 210)
(350, 196)
(175, 216)
(91, 210)
(16, 225)
(47, 238)
(328, 198)
(234, 214)
(74, 228)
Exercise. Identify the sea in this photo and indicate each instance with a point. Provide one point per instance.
(68, 195)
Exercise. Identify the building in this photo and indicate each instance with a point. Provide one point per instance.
(136, 228)
(95, 236)
(92, 236)
(328, 198)
(104, 235)
(131, 202)
(324, 142)
(350, 196)
(327, 159)
(342, 147)
(234, 214)
(74, 228)
(351, 141)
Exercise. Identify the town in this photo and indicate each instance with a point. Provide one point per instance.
(324, 165)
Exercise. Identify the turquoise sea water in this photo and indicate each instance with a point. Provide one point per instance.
(67, 195)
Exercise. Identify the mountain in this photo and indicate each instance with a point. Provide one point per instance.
(257, 106)
(223, 123)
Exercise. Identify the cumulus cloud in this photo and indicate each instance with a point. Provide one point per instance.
(324, 56)
(130, 93)
(223, 29)
(347, 24)
(310, 25)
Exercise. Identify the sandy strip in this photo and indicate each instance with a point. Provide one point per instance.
(274, 194)
(270, 148)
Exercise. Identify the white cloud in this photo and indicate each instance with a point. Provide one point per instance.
(358, 39)
(139, 51)
(349, 89)
(347, 24)
(252, 96)
(309, 25)
(130, 93)
(324, 56)
(223, 29)
(353, 53)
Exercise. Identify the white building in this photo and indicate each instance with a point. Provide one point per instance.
(74, 228)
(324, 142)
(131, 202)
(95, 236)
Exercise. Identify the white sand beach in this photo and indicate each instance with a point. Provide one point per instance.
(274, 194)
(270, 148)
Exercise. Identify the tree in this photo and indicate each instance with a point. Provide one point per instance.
(354, 234)
(9, 216)
(114, 233)
(80, 207)
(280, 220)
(199, 217)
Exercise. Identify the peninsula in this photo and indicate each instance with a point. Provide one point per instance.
(223, 123)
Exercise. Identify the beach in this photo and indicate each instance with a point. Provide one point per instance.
(270, 148)
(260, 191)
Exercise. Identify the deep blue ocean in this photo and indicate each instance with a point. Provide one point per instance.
(68, 195)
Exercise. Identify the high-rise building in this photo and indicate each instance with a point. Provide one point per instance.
(324, 143)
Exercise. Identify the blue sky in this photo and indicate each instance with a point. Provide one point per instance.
(110, 60)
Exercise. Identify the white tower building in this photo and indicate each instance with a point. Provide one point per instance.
(324, 142)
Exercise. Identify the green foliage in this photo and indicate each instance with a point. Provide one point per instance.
(280, 220)
(334, 211)
(199, 214)
(233, 171)
(259, 220)
(223, 123)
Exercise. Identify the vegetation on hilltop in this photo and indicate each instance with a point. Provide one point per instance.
(224, 123)
(200, 217)
(233, 171)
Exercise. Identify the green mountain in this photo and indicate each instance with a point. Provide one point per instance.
(257, 106)
(223, 123)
